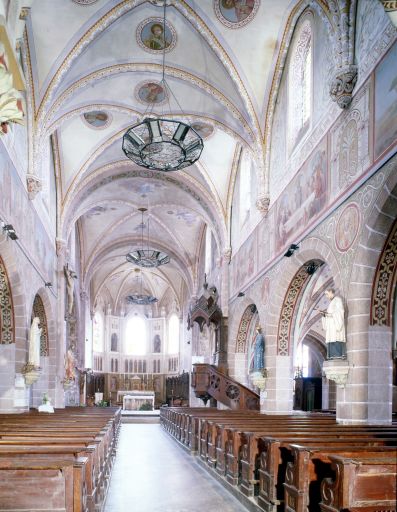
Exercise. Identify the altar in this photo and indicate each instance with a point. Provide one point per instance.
(132, 400)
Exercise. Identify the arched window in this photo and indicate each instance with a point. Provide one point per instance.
(116, 365)
(208, 250)
(136, 335)
(97, 333)
(245, 187)
(300, 83)
(173, 335)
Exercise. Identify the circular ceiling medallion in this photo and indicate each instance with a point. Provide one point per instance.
(205, 130)
(85, 2)
(97, 119)
(150, 35)
(236, 13)
(151, 93)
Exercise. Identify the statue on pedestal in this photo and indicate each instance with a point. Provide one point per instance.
(70, 363)
(334, 325)
(259, 353)
(34, 343)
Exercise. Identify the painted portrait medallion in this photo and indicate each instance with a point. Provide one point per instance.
(151, 93)
(236, 13)
(205, 130)
(151, 37)
(347, 227)
(97, 119)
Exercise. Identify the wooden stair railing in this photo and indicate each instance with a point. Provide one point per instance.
(208, 382)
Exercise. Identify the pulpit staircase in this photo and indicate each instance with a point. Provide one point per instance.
(209, 382)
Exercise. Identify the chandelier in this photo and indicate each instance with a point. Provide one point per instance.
(159, 143)
(147, 258)
(140, 299)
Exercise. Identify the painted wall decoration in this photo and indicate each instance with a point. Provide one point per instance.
(150, 93)
(386, 103)
(14, 203)
(244, 327)
(188, 217)
(236, 13)
(39, 311)
(305, 196)
(85, 2)
(7, 329)
(97, 119)
(384, 281)
(205, 130)
(347, 227)
(151, 37)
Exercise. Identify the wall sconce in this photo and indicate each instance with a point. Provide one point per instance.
(292, 248)
(11, 233)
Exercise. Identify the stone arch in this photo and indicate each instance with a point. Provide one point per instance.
(15, 353)
(280, 381)
(385, 282)
(7, 323)
(368, 395)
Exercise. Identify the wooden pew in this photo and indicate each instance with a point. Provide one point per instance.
(311, 465)
(85, 435)
(360, 484)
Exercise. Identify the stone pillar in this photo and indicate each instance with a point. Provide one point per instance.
(278, 395)
(61, 248)
(225, 271)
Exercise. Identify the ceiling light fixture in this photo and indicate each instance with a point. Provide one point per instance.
(159, 143)
(147, 258)
(140, 299)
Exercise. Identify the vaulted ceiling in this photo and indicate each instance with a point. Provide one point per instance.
(95, 66)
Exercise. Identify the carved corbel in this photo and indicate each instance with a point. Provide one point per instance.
(345, 76)
(262, 203)
(390, 6)
(34, 185)
(342, 86)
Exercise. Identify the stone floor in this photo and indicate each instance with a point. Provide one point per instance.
(153, 474)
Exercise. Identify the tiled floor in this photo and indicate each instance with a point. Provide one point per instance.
(153, 474)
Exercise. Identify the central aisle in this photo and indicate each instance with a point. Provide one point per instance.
(153, 474)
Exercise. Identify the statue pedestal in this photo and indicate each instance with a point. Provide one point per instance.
(31, 373)
(337, 370)
(258, 378)
(45, 408)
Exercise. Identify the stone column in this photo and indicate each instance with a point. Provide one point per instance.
(225, 274)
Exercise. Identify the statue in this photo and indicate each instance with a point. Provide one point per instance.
(70, 276)
(259, 354)
(334, 325)
(34, 342)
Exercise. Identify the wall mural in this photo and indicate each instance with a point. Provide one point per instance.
(151, 37)
(7, 331)
(150, 93)
(305, 196)
(351, 155)
(386, 103)
(236, 13)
